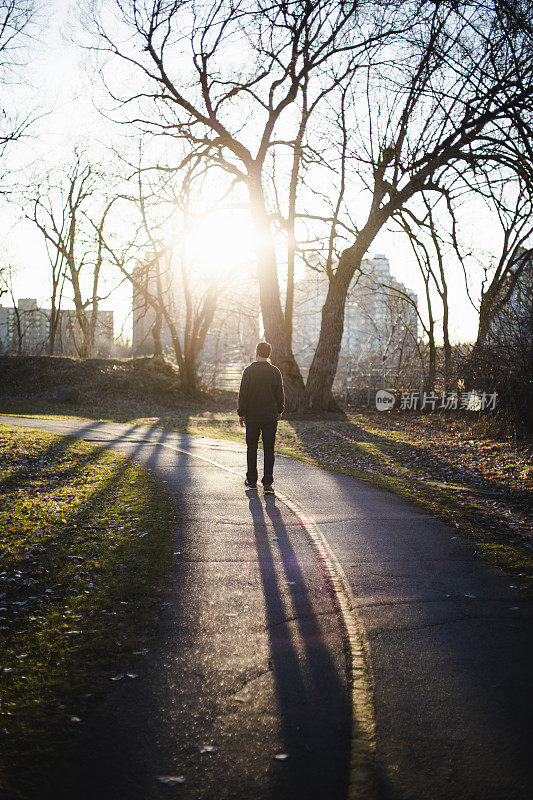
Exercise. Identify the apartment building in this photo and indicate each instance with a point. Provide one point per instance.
(24, 329)
(380, 316)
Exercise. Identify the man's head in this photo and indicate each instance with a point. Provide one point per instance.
(263, 350)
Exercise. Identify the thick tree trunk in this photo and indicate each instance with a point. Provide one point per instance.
(274, 321)
(484, 322)
(325, 361)
(326, 357)
(190, 377)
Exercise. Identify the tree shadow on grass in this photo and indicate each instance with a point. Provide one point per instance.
(391, 456)
(54, 451)
(115, 571)
(136, 730)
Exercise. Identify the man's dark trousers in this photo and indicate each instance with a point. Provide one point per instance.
(268, 432)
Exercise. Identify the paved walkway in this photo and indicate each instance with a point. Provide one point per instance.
(254, 645)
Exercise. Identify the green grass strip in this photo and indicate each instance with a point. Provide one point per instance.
(85, 540)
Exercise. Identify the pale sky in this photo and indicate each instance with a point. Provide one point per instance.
(60, 83)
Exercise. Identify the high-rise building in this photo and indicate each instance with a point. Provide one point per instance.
(25, 329)
(380, 316)
(513, 320)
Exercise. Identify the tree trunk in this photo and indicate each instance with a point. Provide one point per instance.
(429, 383)
(190, 376)
(326, 357)
(447, 350)
(84, 349)
(52, 330)
(446, 332)
(156, 335)
(432, 368)
(325, 361)
(19, 330)
(55, 310)
(273, 319)
(485, 319)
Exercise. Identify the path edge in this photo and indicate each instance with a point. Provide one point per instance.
(362, 777)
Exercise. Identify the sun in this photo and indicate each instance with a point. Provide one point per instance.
(220, 243)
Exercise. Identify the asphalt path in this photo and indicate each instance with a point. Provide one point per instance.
(255, 655)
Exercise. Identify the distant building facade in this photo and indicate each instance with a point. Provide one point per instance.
(380, 321)
(513, 322)
(25, 330)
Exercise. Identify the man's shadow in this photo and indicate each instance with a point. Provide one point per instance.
(308, 668)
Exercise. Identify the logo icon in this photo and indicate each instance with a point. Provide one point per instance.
(384, 400)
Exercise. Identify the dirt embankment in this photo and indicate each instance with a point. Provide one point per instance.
(53, 384)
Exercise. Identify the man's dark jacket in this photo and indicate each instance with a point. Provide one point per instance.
(261, 395)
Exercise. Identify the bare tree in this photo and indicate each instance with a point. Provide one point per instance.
(154, 284)
(437, 100)
(15, 334)
(57, 274)
(504, 362)
(171, 293)
(17, 25)
(500, 278)
(451, 115)
(70, 210)
(235, 116)
(57, 284)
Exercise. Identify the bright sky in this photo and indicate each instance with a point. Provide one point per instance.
(61, 83)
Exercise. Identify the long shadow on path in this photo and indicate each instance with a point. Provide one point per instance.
(311, 691)
(130, 735)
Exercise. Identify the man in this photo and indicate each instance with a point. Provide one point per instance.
(261, 403)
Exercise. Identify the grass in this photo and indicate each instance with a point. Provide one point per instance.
(86, 538)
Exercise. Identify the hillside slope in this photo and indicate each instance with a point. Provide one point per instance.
(68, 385)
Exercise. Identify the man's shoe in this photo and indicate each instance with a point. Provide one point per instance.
(267, 489)
(249, 484)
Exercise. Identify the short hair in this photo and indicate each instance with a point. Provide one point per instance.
(263, 349)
